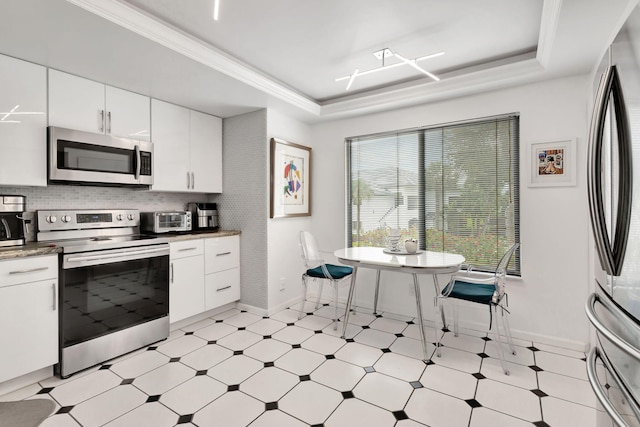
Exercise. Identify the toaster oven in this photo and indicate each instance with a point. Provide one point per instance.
(165, 221)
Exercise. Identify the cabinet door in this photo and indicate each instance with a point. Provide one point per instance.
(206, 152)
(186, 287)
(28, 328)
(76, 103)
(128, 114)
(170, 136)
(222, 288)
(23, 148)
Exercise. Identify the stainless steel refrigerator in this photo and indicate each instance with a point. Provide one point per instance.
(613, 364)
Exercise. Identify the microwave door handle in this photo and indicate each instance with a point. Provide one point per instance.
(137, 155)
(7, 230)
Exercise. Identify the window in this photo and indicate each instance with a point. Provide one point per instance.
(460, 181)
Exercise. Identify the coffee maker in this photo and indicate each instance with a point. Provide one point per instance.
(11, 220)
(204, 216)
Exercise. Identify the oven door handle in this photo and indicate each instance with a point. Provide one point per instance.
(124, 254)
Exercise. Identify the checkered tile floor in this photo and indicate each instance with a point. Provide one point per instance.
(239, 369)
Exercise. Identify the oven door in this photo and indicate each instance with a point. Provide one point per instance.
(112, 302)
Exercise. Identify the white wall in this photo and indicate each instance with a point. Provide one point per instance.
(547, 301)
(284, 260)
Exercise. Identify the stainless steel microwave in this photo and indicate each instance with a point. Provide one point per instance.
(77, 157)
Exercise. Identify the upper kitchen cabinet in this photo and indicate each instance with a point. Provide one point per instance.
(82, 104)
(187, 149)
(206, 153)
(23, 123)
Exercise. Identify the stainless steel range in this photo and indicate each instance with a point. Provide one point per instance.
(114, 284)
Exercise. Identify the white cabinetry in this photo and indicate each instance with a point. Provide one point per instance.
(23, 123)
(222, 271)
(187, 149)
(82, 104)
(28, 315)
(186, 279)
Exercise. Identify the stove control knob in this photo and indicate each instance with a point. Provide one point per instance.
(66, 218)
(119, 217)
(51, 219)
(131, 217)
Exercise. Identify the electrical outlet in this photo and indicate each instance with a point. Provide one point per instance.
(283, 281)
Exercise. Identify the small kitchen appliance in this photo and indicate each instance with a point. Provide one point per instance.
(205, 216)
(11, 220)
(165, 221)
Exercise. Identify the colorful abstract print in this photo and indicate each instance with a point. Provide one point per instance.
(292, 174)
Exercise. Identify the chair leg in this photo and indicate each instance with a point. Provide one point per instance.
(505, 323)
(304, 295)
(335, 302)
(499, 339)
(456, 319)
(320, 294)
(438, 325)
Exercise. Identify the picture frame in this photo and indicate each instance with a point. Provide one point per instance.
(290, 179)
(553, 163)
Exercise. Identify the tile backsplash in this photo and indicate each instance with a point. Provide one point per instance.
(89, 197)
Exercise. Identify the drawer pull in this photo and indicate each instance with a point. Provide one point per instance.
(223, 253)
(187, 249)
(223, 289)
(31, 270)
(53, 288)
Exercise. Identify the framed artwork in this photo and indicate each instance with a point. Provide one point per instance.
(553, 164)
(290, 179)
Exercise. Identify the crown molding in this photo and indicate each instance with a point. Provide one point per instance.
(548, 30)
(447, 88)
(160, 32)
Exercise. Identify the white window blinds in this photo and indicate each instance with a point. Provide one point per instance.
(452, 187)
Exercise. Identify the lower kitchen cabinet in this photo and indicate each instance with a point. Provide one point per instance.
(222, 268)
(28, 315)
(186, 279)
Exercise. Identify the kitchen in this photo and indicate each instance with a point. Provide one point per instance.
(550, 109)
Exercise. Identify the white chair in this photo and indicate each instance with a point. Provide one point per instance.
(489, 291)
(317, 268)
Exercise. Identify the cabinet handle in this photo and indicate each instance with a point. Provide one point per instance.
(188, 180)
(108, 121)
(101, 120)
(187, 249)
(171, 272)
(193, 181)
(30, 270)
(223, 253)
(53, 288)
(223, 289)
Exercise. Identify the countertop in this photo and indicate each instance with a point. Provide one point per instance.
(46, 248)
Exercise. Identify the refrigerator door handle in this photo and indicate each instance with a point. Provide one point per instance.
(601, 393)
(611, 336)
(611, 257)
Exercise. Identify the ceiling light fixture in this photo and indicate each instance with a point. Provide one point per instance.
(216, 9)
(387, 53)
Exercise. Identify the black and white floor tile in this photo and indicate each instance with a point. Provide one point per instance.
(240, 369)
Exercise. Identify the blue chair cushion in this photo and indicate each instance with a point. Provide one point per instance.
(474, 292)
(336, 271)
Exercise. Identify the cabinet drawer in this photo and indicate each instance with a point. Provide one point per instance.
(221, 253)
(221, 288)
(186, 248)
(31, 269)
